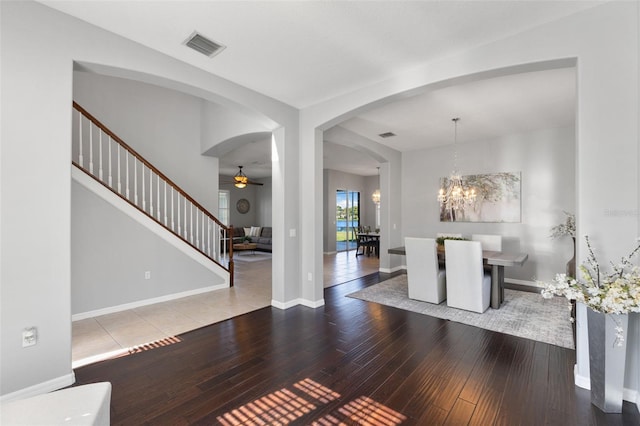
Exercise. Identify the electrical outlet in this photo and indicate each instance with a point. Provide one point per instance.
(29, 336)
(147, 275)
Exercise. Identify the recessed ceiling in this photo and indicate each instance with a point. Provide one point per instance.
(488, 109)
(255, 157)
(304, 52)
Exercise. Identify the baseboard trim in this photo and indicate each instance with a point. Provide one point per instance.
(133, 305)
(523, 282)
(583, 382)
(295, 302)
(312, 303)
(41, 388)
(391, 270)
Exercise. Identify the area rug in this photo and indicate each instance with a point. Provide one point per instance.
(522, 314)
(247, 256)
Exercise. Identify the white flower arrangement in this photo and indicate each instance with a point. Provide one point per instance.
(617, 292)
(567, 228)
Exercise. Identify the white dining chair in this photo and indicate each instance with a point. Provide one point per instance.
(468, 286)
(489, 242)
(426, 281)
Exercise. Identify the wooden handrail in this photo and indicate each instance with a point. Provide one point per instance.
(228, 230)
(146, 163)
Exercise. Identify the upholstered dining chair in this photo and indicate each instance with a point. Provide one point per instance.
(426, 281)
(489, 242)
(468, 286)
(365, 243)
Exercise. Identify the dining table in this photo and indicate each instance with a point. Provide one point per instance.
(371, 237)
(496, 259)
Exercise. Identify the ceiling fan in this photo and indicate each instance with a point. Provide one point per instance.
(240, 180)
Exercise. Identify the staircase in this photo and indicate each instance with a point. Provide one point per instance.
(102, 155)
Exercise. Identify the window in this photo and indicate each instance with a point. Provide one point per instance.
(223, 207)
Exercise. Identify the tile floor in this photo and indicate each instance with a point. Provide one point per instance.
(106, 336)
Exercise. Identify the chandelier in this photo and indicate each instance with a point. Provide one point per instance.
(453, 194)
(375, 197)
(240, 179)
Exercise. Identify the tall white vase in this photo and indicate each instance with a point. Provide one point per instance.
(606, 360)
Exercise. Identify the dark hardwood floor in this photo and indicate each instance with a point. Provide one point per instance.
(350, 362)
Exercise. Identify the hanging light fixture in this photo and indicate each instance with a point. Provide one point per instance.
(240, 179)
(375, 197)
(453, 195)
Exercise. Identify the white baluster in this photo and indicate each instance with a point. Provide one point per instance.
(90, 149)
(119, 172)
(179, 224)
(197, 229)
(151, 192)
(144, 198)
(186, 225)
(209, 237)
(165, 203)
(173, 228)
(135, 181)
(110, 167)
(191, 222)
(100, 158)
(158, 197)
(80, 157)
(126, 173)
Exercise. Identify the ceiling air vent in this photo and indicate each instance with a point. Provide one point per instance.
(386, 135)
(203, 45)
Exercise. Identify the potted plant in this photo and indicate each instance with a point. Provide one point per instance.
(609, 297)
(567, 229)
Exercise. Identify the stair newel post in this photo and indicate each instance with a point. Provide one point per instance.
(230, 240)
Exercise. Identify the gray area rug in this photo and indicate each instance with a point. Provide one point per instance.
(247, 256)
(522, 314)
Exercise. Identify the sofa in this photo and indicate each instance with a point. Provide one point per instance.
(262, 240)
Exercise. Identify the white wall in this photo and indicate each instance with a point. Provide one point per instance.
(546, 161)
(264, 205)
(162, 125)
(250, 193)
(35, 193)
(110, 253)
(604, 43)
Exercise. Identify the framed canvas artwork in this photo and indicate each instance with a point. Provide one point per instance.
(497, 199)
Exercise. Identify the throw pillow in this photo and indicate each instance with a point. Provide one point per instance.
(247, 232)
(255, 231)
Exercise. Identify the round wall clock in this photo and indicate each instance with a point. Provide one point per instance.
(243, 205)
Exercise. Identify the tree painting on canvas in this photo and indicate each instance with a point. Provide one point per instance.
(497, 199)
